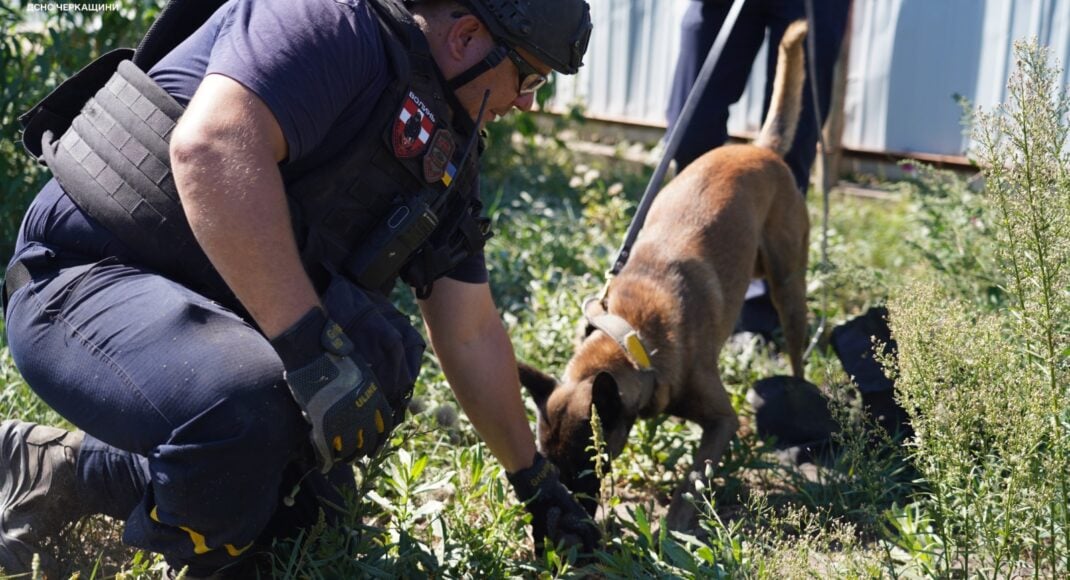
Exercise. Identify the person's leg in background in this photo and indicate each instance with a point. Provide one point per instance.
(708, 128)
(830, 22)
(829, 26)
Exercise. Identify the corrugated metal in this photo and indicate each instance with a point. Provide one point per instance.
(909, 61)
(629, 61)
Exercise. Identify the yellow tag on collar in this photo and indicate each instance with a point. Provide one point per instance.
(636, 350)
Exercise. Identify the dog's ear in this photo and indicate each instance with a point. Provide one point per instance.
(538, 384)
(605, 395)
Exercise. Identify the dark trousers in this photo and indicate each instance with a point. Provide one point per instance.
(193, 438)
(708, 128)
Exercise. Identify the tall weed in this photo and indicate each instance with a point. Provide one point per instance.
(953, 233)
(986, 386)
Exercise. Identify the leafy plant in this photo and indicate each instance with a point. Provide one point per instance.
(986, 386)
(954, 235)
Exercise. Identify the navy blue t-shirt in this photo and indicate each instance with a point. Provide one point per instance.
(319, 65)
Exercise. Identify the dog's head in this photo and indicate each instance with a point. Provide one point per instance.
(564, 423)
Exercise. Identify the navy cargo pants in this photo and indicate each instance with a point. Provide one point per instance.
(192, 437)
(701, 23)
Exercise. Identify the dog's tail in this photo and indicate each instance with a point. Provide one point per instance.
(779, 129)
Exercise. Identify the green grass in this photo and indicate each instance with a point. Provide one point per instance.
(439, 504)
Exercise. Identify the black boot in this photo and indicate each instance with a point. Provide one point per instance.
(38, 491)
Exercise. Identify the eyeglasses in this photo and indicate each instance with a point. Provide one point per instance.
(530, 78)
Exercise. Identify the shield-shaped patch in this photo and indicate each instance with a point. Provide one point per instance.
(413, 127)
(438, 157)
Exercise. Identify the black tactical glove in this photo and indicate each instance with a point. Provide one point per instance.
(554, 512)
(335, 388)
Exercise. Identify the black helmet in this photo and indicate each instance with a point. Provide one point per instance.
(555, 31)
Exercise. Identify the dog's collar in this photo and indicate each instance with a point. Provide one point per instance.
(598, 318)
(619, 330)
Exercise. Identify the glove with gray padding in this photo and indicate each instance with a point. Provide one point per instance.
(335, 388)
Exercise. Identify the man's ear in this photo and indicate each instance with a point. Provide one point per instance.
(462, 36)
(605, 396)
(538, 384)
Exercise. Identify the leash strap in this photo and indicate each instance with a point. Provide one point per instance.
(675, 135)
(822, 160)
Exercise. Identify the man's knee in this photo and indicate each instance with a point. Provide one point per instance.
(221, 473)
(254, 416)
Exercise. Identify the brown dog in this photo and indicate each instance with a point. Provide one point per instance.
(733, 214)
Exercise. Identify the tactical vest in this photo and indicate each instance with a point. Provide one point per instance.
(400, 199)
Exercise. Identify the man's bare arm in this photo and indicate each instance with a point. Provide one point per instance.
(477, 357)
(224, 154)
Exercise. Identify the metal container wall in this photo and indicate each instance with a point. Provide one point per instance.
(910, 61)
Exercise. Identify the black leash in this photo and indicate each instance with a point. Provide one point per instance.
(822, 160)
(673, 142)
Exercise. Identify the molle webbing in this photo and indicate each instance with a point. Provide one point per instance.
(114, 162)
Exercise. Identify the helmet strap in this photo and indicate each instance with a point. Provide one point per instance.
(492, 59)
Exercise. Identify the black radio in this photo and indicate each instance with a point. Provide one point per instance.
(404, 229)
